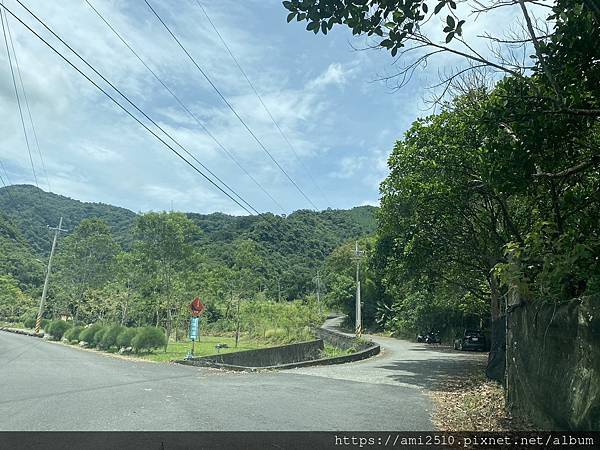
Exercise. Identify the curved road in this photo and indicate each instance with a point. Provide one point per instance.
(48, 386)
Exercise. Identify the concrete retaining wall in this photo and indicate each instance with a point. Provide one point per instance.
(265, 357)
(554, 363)
(291, 356)
(342, 340)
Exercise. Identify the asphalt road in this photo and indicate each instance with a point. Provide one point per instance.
(49, 386)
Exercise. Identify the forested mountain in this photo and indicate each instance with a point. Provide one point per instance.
(289, 249)
(30, 210)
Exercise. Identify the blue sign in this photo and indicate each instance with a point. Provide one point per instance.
(194, 326)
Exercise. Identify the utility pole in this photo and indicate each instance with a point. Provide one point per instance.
(278, 290)
(358, 254)
(317, 280)
(237, 331)
(38, 322)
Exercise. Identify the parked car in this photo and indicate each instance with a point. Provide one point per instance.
(471, 340)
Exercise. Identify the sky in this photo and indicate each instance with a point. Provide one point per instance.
(322, 91)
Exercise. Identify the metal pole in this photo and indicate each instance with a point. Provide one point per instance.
(38, 322)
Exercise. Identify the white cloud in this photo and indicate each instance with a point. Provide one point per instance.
(336, 74)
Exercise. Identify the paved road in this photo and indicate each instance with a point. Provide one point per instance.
(406, 364)
(48, 386)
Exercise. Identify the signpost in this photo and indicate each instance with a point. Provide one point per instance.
(197, 308)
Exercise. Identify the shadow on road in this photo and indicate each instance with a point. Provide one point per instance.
(437, 374)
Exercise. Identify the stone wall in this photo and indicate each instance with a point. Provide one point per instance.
(554, 363)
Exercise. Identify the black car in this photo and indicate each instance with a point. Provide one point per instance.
(471, 340)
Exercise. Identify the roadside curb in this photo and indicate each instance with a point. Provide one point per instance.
(23, 332)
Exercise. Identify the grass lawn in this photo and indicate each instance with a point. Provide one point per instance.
(206, 346)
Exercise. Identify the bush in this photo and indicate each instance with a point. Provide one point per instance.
(149, 338)
(126, 336)
(57, 329)
(87, 335)
(98, 336)
(45, 323)
(29, 322)
(109, 339)
(73, 333)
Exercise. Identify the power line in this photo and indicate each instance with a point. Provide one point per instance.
(116, 102)
(147, 117)
(12, 72)
(5, 172)
(12, 200)
(37, 143)
(142, 112)
(259, 97)
(230, 106)
(187, 110)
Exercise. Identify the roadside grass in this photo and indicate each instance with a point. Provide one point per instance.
(206, 346)
(331, 352)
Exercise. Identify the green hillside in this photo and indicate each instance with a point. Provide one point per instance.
(290, 248)
(31, 210)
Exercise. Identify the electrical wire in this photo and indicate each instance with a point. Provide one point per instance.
(37, 143)
(14, 80)
(260, 99)
(264, 148)
(116, 102)
(185, 108)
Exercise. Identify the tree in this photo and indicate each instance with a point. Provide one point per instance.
(13, 302)
(86, 261)
(163, 250)
(404, 28)
(340, 280)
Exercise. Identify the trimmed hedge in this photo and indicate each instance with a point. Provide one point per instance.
(126, 336)
(57, 329)
(98, 335)
(149, 338)
(87, 335)
(109, 338)
(73, 333)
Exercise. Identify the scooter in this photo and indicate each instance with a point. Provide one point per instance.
(432, 338)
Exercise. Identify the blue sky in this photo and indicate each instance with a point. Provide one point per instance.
(322, 93)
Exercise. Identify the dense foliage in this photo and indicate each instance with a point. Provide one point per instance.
(148, 272)
(500, 191)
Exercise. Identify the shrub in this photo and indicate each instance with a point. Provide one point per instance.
(57, 329)
(148, 338)
(109, 339)
(73, 333)
(98, 335)
(29, 322)
(126, 336)
(87, 335)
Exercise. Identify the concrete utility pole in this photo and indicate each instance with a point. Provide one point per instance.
(38, 322)
(278, 290)
(317, 280)
(358, 254)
